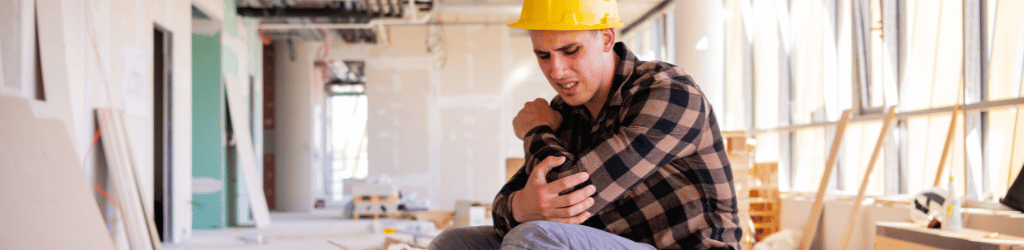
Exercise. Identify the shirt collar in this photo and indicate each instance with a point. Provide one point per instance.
(623, 73)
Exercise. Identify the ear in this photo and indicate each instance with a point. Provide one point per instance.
(608, 39)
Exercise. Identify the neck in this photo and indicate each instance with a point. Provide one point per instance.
(597, 103)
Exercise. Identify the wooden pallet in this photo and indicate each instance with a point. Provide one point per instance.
(764, 192)
(764, 211)
(375, 216)
(376, 199)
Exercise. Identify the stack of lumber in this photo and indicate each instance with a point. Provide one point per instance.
(740, 148)
(764, 199)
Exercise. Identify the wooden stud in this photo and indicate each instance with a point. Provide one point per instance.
(947, 145)
(122, 134)
(811, 228)
(957, 106)
(246, 153)
(886, 124)
(119, 163)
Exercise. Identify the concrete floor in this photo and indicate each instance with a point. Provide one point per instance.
(322, 229)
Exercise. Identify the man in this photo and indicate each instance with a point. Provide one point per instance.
(627, 156)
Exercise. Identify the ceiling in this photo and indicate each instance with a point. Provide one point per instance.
(431, 12)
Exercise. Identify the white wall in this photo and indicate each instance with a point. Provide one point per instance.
(440, 123)
(74, 81)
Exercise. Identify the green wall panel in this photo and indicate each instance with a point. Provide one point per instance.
(208, 126)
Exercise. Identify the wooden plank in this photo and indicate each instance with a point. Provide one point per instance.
(886, 124)
(114, 162)
(945, 239)
(246, 152)
(811, 228)
(946, 146)
(882, 242)
(48, 203)
(141, 228)
(134, 175)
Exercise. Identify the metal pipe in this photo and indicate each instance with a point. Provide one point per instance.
(301, 12)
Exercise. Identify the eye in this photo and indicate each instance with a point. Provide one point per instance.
(544, 56)
(567, 52)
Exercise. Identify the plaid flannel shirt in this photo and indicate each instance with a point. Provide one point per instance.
(655, 154)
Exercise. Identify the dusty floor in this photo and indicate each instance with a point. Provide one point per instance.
(322, 229)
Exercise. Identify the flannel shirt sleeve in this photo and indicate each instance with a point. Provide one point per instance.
(661, 122)
(501, 208)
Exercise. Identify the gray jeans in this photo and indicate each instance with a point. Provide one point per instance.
(533, 235)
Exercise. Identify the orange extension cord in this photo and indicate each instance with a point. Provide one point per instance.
(99, 130)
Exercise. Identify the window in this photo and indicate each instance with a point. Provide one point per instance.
(346, 119)
(866, 55)
(648, 40)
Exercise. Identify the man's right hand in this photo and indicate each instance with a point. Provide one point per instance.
(539, 200)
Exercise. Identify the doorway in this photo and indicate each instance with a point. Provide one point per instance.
(162, 203)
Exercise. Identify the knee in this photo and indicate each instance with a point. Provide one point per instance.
(535, 235)
(447, 239)
(531, 229)
(482, 237)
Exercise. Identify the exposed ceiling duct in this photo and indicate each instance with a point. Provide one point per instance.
(356, 21)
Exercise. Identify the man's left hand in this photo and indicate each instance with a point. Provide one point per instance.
(534, 114)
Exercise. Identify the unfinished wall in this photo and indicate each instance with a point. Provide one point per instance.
(75, 75)
(80, 75)
(438, 121)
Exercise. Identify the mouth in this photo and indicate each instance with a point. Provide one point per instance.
(569, 88)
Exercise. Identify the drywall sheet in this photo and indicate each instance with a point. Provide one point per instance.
(397, 121)
(246, 155)
(471, 153)
(141, 230)
(474, 60)
(209, 207)
(48, 203)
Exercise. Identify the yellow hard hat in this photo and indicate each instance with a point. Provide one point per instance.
(568, 15)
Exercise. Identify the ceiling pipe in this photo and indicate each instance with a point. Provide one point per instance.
(372, 24)
(301, 12)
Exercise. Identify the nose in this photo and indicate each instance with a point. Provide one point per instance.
(559, 68)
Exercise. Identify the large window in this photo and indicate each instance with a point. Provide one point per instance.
(648, 40)
(812, 60)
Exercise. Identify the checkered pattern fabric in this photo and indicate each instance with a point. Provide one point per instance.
(655, 154)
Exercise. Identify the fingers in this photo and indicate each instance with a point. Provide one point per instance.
(540, 171)
(569, 182)
(575, 197)
(574, 210)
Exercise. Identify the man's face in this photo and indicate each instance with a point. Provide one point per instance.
(572, 61)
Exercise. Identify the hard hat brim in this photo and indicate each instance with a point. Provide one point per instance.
(550, 26)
